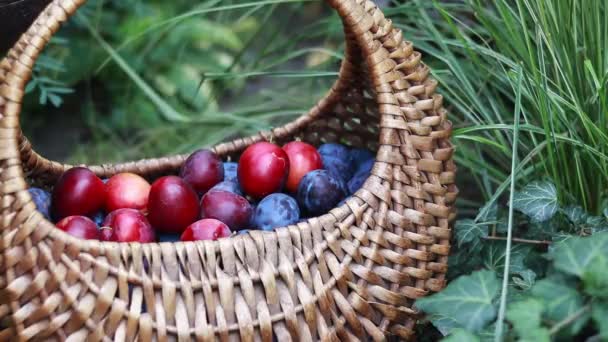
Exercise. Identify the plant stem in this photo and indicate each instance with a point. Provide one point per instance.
(559, 325)
(534, 242)
(498, 332)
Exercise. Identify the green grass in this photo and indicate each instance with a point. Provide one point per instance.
(560, 45)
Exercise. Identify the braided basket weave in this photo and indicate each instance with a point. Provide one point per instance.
(351, 274)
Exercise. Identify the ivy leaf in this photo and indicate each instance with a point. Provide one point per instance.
(538, 200)
(468, 300)
(502, 226)
(542, 230)
(576, 214)
(536, 335)
(574, 254)
(525, 279)
(582, 220)
(599, 312)
(495, 252)
(444, 324)
(595, 277)
(560, 301)
(595, 221)
(487, 334)
(489, 212)
(526, 319)
(461, 335)
(462, 261)
(597, 224)
(469, 231)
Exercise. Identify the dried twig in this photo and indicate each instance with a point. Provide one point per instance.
(534, 242)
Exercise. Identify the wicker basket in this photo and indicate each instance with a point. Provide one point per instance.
(351, 274)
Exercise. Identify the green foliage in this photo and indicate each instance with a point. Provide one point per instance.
(599, 313)
(526, 317)
(467, 301)
(461, 335)
(158, 77)
(537, 200)
(595, 277)
(469, 232)
(548, 59)
(494, 255)
(560, 301)
(44, 78)
(551, 295)
(574, 255)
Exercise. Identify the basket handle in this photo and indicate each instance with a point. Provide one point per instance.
(18, 64)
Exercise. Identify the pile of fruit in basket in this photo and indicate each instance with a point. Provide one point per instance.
(270, 187)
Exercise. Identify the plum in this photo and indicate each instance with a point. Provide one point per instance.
(80, 227)
(339, 167)
(230, 171)
(356, 182)
(202, 170)
(42, 199)
(206, 229)
(263, 169)
(319, 191)
(303, 158)
(230, 208)
(127, 225)
(335, 150)
(276, 210)
(172, 205)
(360, 155)
(230, 186)
(78, 192)
(127, 190)
(99, 217)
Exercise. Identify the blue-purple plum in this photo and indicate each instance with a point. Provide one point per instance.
(230, 186)
(319, 191)
(42, 199)
(356, 182)
(365, 167)
(337, 160)
(276, 210)
(230, 171)
(98, 218)
(338, 167)
(168, 237)
(360, 155)
(335, 150)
